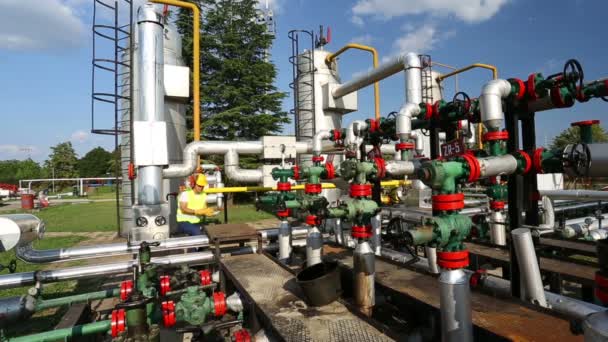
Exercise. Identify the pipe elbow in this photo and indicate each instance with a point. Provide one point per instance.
(490, 102)
(404, 120)
(411, 60)
(419, 142)
(234, 172)
(317, 141)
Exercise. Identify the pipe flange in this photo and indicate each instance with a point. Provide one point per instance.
(118, 322)
(313, 220)
(242, 336)
(312, 188)
(168, 308)
(537, 160)
(330, 171)
(601, 288)
(448, 202)
(453, 260)
(205, 277)
(361, 232)
(164, 284)
(381, 166)
(474, 167)
(219, 304)
(284, 213)
(521, 88)
(126, 287)
(527, 160)
(283, 186)
(360, 190)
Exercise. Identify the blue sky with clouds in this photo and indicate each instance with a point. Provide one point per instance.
(45, 56)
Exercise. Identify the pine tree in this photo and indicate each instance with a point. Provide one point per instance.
(238, 98)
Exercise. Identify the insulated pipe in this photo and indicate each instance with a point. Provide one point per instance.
(31, 255)
(575, 194)
(431, 255)
(84, 272)
(376, 239)
(18, 230)
(151, 96)
(495, 166)
(404, 120)
(235, 173)
(374, 53)
(498, 228)
(364, 274)
(598, 164)
(284, 241)
(530, 271)
(548, 217)
(418, 141)
(409, 62)
(354, 134)
(196, 65)
(317, 141)
(314, 246)
(398, 168)
(490, 102)
(455, 306)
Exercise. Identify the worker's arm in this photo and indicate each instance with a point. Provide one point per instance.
(184, 208)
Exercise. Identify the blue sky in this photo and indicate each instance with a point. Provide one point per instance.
(45, 56)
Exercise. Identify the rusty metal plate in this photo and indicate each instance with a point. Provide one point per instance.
(230, 231)
(276, 293)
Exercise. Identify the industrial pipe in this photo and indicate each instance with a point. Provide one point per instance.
(84, 272)
(472, 66)
(374, 53)
(490, 103)
(235, 173)
(317, 141)
(530, 271)
(575, 194)
(18, 230)
(364, 277)
(101, 327)
(31, 255)
(409, 62)
(196, 63)
(455, 306)
(284, 241)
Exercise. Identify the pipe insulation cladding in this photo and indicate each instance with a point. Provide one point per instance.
(18, 230)
(151, 97)
(598, 164)
(530, 271)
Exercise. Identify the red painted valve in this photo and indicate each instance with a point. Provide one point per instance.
(205, 277)
(126, 287)
(242, 336)
(168, 308)
(219, 303)
(117, 322)
(165, 284)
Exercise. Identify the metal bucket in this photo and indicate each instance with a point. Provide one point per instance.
(27, 201)
(320, 283)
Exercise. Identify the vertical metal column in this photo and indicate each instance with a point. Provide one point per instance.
(528, 132)
(514, 188)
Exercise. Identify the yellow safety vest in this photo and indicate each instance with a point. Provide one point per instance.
(195, 201)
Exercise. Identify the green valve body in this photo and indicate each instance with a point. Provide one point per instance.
(194, 306)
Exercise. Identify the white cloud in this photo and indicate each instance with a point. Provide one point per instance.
(10, 151)
(365, 39)
(275, 5)
(357, 21)
(80, 136)
(422, 39)
(41, 25)
(471, 11)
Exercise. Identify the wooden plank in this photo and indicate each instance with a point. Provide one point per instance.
(580, 273)
(503, 318)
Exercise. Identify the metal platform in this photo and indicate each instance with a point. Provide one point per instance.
(279, 299)
(503, 318)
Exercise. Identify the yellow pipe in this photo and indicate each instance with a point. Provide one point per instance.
(391, 183)
(374, 53)
(196, 61)
(472, 66)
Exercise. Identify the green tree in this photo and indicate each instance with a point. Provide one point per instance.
(11, 171)
(62, 162)
(572, 136)
(114, 160)
(238, 98)
(95, 163)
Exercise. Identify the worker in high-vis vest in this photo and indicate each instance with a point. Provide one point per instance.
(192, 207)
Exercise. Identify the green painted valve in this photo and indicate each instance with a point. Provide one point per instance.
(446, 232)
(358, 210)
(194, 306)
(442, 176)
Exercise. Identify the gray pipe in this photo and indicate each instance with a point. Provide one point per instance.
(31, 255)
(18, 230)
(284, 241)
(575, 194)
(384, 70)
(495, 166)
(498, 228)
(235, 173)
(431, 255)
(399, 168)
(364, 277)
(598, 165)
(314, 246)
(151, 96)
(490, 103)
(530, 271)
(85, 272)
(455, 306)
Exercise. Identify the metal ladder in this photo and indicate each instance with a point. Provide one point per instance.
(303, 99)
(427, 78)
(111, 75)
